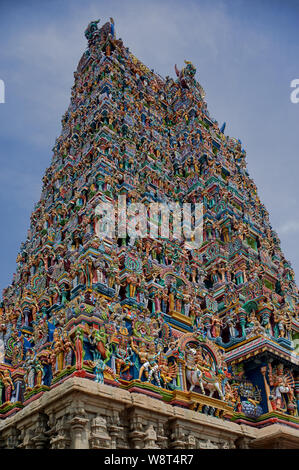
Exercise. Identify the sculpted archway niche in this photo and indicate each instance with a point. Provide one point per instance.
(205, 369)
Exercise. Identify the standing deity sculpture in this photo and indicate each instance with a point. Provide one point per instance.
(123, 357)
(283, 385)
(8, 384)
(30, 369)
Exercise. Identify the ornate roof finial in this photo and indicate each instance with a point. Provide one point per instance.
(92, 31)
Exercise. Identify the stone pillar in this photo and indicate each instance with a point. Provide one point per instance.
(99, 438)
(26, 441)
(13, 441)
(243, 443)
(78, 425)
(39, 437)
(161, 438)
(177, 436)
(78, 429)
(136, 435)
(59, 433)
(115, 429)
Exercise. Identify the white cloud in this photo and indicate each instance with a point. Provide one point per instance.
(289, 227)
(42, 56)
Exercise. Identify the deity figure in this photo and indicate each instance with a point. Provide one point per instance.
(99, 339)
(79, 351)
(257, 328)
(216, 326)
(132, 281)
(146, 358)
(172, 291)
(152, 366)
(112, 271)
(167, 370)
(58, 349)
(248, 398)
(143, 293)
(164, 300)
(200, 372)
(280, 321)
(186, 302)
(283, 386)
(41, 330)
(230, 395)
(230, 323)
(30, 369)
(118, 314)
(68, 350)
(7, 384)
(100, 271)
(266, 323)
(39, 370)
(123, 357)
(100, 365)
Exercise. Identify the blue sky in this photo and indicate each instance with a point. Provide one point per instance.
(246, 54)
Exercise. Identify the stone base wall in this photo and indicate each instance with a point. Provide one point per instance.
(82, 414)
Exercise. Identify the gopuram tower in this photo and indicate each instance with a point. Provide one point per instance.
(125, 334)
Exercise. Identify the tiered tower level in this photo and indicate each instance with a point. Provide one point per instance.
(214, 328)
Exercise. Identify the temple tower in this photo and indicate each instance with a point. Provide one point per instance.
(151, 291)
